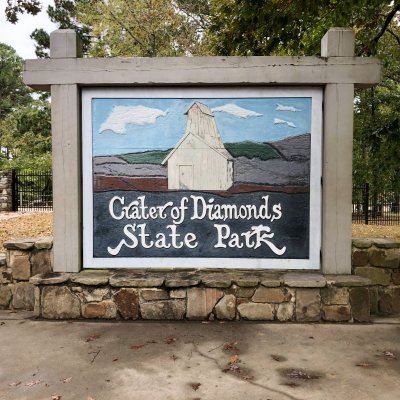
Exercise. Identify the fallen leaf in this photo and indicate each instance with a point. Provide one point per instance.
(389, 354)
(291, 384)
(232, 368)
(95, 336)
(234, 359)
(14, 384)
(364, 364)
(115, 359)
(300, 374)
(170, 339)
(33, 383)
(278, 358)
(195, 386)
(231, 347)
(137, 346)
(66, 380)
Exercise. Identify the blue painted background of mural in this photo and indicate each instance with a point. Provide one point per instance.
(122, 126)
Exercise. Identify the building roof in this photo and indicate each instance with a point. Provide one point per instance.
(203, 126)
(203, 108)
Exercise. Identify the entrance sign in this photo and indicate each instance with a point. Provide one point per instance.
(202, 177)
(169, 179)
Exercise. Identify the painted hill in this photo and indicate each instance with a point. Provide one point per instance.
(248, 149)
(295, 148)
(278, 163)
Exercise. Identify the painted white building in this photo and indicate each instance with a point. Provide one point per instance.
(200, 161)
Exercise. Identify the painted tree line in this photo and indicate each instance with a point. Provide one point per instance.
(151, 28)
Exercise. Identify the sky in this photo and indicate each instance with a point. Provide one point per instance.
(121, 126)
(17, 35)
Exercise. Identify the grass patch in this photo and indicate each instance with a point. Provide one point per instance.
(250, 150)
(146, 157)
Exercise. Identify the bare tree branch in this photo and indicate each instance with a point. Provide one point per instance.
(394, 35)
(128, 31)
(388, 20)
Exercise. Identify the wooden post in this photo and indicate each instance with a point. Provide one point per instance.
(65, 118)
(337, 160)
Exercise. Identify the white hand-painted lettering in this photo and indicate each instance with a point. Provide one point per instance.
(252, 239)
(138, 235)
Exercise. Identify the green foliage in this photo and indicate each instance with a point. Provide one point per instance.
(146, 28)
(15, 7)
(377, 123)
(251, 149)
(63, 14)
(281, 27)
(12, 89)
(26, 133)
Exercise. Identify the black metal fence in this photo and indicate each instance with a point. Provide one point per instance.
(371, 206)
(32, 190)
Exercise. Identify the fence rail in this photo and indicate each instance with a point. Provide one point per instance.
(32, 190)
(371, 206)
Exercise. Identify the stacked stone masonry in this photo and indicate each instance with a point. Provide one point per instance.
(27, 282)
(5, 190)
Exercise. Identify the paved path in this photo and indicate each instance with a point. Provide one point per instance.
(193, 360)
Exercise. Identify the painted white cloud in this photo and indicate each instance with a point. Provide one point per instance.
(121, 116)
(237, 111)
(280, 107)
(278, 121)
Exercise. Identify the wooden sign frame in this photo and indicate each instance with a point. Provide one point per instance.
(311, 262)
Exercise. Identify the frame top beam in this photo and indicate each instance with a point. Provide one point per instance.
(197, 71)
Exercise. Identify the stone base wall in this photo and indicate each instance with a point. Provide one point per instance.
(379, 261)
(5, 191)
(27, 282)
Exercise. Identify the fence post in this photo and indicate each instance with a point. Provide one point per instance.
(14, 190)
(366, 202)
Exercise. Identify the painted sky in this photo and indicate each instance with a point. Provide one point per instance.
(123, 126)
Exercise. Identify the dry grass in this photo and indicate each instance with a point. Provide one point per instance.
(23, 225)
(391, 231)
(19, 225)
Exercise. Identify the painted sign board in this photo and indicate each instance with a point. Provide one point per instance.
(202, 177)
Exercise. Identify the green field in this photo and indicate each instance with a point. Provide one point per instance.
(146, 157)
(241, 149)
(249, 149)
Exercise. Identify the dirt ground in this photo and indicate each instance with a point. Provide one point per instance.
(361, 230)
(17, 225)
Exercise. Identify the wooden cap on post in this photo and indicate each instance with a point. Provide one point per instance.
(65, 43)
(338, 42)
